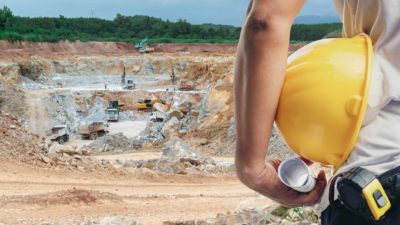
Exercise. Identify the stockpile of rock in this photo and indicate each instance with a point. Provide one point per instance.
(179, 158)
(67, 156)
(115, 143)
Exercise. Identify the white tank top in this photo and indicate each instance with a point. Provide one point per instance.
(378, 145)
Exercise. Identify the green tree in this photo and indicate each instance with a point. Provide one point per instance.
(6, 16)
(133, 28)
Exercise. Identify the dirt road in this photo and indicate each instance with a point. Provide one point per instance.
(30, 195)
(129, 129)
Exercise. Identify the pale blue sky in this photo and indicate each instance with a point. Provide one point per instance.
(195, 11)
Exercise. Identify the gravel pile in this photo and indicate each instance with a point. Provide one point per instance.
(115, 143)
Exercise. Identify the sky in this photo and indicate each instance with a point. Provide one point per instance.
(230, 12)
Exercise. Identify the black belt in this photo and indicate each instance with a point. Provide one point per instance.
(390, 182)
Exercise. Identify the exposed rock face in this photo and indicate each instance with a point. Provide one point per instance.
(10, 71)
(152, 133)
(37, 68)
(171, 127)
(42, 71)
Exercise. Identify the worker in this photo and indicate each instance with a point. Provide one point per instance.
(123, 77)
(173, 77)
(259, 79)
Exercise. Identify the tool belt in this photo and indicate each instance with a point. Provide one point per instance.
(366, 195)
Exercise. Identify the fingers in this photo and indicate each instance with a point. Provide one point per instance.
(297, 199)
(308, 162)
(315, 196)
(276, 190)
(275, 163)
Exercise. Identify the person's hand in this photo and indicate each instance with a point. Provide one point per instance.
(270, 185)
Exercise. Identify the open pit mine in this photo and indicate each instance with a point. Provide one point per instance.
(96, 133)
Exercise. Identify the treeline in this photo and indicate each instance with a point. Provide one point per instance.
(302, 32)
(131, 29)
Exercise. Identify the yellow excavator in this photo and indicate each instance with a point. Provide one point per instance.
(148, 104)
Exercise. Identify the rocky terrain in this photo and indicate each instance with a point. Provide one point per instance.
(178, 170)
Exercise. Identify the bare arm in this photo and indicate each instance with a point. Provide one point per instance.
(259, 76)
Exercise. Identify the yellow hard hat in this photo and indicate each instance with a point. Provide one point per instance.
(324, 98)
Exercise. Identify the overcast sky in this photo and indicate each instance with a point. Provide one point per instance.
(195, 11)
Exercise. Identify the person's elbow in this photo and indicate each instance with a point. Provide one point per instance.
(248, 172)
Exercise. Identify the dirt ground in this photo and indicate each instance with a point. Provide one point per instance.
(148, 156)
(129, 129)
(30, 194)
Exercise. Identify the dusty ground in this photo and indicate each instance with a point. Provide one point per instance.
(148, 156)
(31, 194)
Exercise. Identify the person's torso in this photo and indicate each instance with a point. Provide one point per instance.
(378, 144)
(380, 19)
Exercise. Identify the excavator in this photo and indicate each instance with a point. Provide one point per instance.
(143, 46)
(148, 104)
(141, 43)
